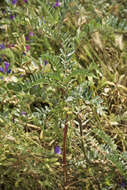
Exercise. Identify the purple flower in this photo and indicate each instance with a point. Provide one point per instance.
(6, 66)
(2, 46)
(57, 150)
(27, 38)
(123, 183)
(3, 11)
(31, 33)
(57, 4)
(9, 70)
(45, 62)
(25, 1)
(27, 47)
(1, 69)
(23, 113)
(14, 2)
(21, 75)
(12, 16)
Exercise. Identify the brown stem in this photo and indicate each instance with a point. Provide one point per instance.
(64, 151)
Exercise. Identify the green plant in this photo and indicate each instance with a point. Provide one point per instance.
(63, 102)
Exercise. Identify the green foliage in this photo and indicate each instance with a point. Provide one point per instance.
(73, 63)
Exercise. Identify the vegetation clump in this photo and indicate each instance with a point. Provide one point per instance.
(63, 95)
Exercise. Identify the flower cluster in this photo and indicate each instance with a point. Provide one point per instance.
(6, 68)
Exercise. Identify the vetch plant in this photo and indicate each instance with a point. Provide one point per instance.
(63, 108)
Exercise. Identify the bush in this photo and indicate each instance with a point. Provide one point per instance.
(63, 95)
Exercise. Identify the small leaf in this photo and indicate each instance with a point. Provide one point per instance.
(41, 135)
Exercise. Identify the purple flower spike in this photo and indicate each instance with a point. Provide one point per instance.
(11, 17)
(45, 62)
(2, 46)
(6, 64)
(14, 2)
(1, 69)
(25, 1)
(27, 38)
(57, 4)
(57, 150)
